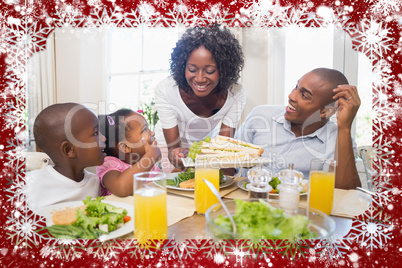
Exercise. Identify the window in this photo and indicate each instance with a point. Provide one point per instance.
(294, 51)
(138, 58)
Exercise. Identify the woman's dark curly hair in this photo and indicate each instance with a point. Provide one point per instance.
(222, 44)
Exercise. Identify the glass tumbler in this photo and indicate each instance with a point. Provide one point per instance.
(203, 196)
(322, 184)
(150, 208)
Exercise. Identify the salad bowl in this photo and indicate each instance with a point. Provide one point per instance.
(261, 219)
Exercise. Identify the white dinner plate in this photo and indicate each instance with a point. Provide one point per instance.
(242, 186)
(230, 163)
(128, 227)
(170, 176)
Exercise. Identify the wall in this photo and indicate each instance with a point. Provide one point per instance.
(80, 66)
(254, 75)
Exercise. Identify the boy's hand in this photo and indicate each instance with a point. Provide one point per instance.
(348, 102)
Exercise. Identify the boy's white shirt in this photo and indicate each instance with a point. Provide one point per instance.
(45, 187)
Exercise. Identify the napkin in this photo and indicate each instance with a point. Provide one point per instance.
(350, 203)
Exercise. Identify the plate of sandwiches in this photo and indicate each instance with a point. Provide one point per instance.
(65, 214)
(188, 185)
(225, 152)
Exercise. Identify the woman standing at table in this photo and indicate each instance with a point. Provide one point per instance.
(202, 97)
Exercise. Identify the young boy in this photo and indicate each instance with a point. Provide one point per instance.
(68, 133)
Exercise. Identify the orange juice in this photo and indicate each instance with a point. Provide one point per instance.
(203, 197)
(321, 193)
(150, 215)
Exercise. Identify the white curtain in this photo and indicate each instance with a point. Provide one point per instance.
(41, 88)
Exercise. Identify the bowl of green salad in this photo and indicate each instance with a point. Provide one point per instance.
(257, 219)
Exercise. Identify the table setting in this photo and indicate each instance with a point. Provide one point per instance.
(184, 222)
(202, 202)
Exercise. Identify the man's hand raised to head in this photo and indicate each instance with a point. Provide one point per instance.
(348, 102)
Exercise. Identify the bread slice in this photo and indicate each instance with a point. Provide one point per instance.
(226, 157)
(67, 216)
(188, 184)
(228, 147)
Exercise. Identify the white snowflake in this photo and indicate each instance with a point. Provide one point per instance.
(15, 193)
(332, 249)
(22, 226)
(397, 88)
(161, 3)
(384, 7)
(46, 251)
(66, 15)
(180, 250)
(180, 14)
(384, 189)
(373, 231)
(382, 75)
(383, 151)
(373, 38)
(104, 16)
(266, 13)
(15, 154)
(216, 14)
(219, 258)
(15, 115)
(383, 109)
(147, 11)
(22, 40)
(26, 37)
(97, 4)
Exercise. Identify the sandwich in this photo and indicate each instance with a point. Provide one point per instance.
(67, 216)
(224, 148)
(188, 184)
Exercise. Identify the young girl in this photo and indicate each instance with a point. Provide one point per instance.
(130, 147)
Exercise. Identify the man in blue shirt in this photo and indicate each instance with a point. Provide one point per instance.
(302, 131)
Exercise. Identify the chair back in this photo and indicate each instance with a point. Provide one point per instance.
(367, 153)
(36, 160)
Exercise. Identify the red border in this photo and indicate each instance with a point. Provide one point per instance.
(388, 256)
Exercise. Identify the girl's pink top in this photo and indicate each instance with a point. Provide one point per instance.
(113, 163)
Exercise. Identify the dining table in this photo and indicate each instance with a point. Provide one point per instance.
(185, 223)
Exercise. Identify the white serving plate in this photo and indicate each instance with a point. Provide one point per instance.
(128, 227)
(170, 176)
(230, 163)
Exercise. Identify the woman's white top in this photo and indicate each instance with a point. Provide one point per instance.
(172, 111)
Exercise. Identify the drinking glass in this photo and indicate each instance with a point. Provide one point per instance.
(150, 209)
(322, 184)
(203, 196)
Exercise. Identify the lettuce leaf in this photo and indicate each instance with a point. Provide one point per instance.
(260, 220)
(95, 208)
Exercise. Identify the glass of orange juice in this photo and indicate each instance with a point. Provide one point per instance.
(203, 196)
(322, 184)
(150, 208)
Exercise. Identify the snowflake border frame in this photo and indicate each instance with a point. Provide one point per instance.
(29, 37)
